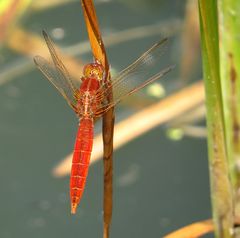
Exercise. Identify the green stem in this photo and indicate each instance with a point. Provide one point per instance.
(229, 28)
(221, 194)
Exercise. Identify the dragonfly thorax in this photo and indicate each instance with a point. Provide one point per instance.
(93, 70)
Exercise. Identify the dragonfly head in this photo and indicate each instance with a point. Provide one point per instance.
(93, 70)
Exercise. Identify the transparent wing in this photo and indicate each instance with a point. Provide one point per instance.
(57, 73)
(136, 76)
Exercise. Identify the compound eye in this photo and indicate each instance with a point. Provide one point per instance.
(87, 70)
(93, 70)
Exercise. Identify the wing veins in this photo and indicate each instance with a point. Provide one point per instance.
(150, 80)
(57, 62)
(48, 71)
(57, 73)
(145, 60)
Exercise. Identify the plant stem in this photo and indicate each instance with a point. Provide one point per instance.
(221, 193)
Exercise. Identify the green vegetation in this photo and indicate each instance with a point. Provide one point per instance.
(220, 34)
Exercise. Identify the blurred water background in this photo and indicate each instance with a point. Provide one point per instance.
(160, 184)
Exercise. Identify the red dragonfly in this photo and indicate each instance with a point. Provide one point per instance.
(89, 100)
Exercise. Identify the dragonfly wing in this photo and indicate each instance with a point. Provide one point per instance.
(57, 62)
(136, 76)
(57, 73)
(58, 79)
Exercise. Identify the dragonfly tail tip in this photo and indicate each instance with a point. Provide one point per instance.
(73, 208)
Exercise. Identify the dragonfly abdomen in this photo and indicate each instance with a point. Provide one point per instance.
(80, 162)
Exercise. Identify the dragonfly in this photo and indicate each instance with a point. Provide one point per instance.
(92, 96)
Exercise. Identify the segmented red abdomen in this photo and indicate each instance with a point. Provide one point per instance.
(80, 162)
